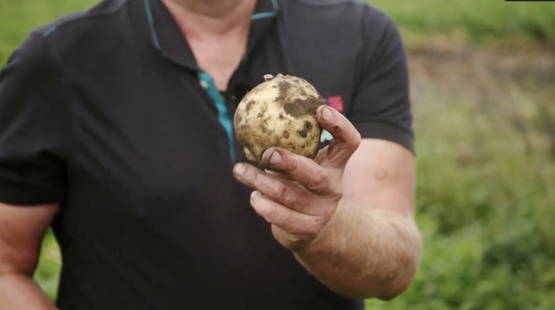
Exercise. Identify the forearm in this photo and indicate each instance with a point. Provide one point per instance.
(18, 291)
(364, 253)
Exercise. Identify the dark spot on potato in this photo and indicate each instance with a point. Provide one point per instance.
(260, 115)
(307, 126)
(285, 134)
(284, 87)
(281, 116)
(238, 119)
(303, 133)
(300, 107)
(295, 108)
(312, 103)
(249, 105)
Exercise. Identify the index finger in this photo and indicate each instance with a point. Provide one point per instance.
(301, 169)
(346, 137)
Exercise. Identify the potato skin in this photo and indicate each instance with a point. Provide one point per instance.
(280, 112)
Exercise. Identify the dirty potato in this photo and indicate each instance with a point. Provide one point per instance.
(280, 112)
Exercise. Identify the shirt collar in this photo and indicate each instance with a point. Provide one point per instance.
(166, 36)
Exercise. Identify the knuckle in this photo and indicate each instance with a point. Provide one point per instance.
(255, 176)
(317, 225)
(334, 192)
(358, 138)
(290, 200)
(318, 181)
(271, 214)
(285, 195)
(250, 176)
(327, 214)
(310, 230)
(282, 190)
(354, 143)
(291, 163)
(306, 234)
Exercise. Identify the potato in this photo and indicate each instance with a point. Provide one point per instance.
(280, 112)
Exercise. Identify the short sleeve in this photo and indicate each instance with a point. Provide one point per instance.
(33, 123)
(381, 104)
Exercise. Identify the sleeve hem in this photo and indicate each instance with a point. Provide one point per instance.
(25, 196)
(386, 131)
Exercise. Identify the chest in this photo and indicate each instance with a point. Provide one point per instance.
(149, 127)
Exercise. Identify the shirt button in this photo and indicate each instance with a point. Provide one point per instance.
(204, 84)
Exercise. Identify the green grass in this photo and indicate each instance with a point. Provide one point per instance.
(485, 126)
(478, 20)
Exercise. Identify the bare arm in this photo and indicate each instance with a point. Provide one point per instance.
(371, 244)
(347, 216)
(21, 233)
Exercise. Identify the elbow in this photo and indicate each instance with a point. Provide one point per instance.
(395, 289)
(398, 284)
(385, 290)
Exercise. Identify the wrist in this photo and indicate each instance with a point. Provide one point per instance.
(331, 239)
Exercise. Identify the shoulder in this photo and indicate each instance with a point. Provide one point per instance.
(354, 20)
(41, 50)
(82, 24)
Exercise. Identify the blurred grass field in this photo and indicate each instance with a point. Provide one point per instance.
(483, 85)
(481, 21)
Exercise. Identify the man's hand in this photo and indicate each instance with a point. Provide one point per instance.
(348, 215)
(299, 196)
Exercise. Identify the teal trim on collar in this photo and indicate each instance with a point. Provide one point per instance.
(49, 31)
(150, 19)
(223, 114)
(263, 15)
(262, 10)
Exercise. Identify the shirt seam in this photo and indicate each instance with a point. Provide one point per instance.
(83, 17)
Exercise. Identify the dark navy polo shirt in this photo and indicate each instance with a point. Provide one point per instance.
(107, 112)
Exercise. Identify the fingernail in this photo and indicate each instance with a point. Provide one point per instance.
(275, 158)
(326, 114)
(239, 169)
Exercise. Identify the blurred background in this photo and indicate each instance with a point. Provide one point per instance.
(483, 88)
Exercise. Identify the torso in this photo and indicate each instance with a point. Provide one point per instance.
(153, 209)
